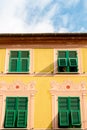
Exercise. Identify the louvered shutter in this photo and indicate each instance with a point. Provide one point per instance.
(10, 114)
(24, 61)
(22, 112)
(13, 61)
(64, 118)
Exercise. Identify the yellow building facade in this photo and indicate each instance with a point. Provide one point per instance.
(43, 81)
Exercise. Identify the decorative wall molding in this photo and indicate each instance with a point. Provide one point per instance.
(67, 85)
(18, 85)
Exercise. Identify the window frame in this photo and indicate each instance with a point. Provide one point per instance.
(56, 57)
(7, 61)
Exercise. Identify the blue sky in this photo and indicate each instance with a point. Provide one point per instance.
(43, 16)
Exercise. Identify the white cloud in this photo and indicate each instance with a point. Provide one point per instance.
(41, 27)
(69, 3)
(13, 16)
(63, 30)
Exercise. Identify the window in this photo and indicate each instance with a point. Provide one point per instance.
(67, 61)
(69, 112)
(19, 61)
(16, 112)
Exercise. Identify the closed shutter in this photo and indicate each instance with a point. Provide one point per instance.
(74, 103)
(13, 61)
(24, 61)
(62, 103)
(64, 118)
(22, 112)
(22, 119)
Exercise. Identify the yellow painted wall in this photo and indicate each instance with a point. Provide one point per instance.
(43, 62)
(2, 60)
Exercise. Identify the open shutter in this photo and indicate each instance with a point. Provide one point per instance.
(13, 61)
(63, 118)
(73, 62)
(62, 62)
(10, 118)
(75, 118)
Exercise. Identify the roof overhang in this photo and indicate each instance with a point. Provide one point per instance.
(43, 40)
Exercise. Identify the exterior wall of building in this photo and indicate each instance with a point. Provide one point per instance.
(43, 76)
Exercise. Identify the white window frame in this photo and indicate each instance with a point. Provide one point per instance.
(69, 49)
(15, 49)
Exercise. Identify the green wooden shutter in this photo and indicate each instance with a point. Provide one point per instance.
(75, 118)
(22, 119)
(63, 118)
(13, 61)
(22, 112)
(62, 62)
(62, 103)
(10, 118)
(22, 103)
(74, 103)
(11, 103)
(24, 61)
(73, 62)
(75, 111)
(10, 114)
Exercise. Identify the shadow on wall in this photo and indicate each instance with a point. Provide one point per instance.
(47, 70)
(62, 128)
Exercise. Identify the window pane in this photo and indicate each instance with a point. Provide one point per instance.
(24, 54)
(14, 54)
